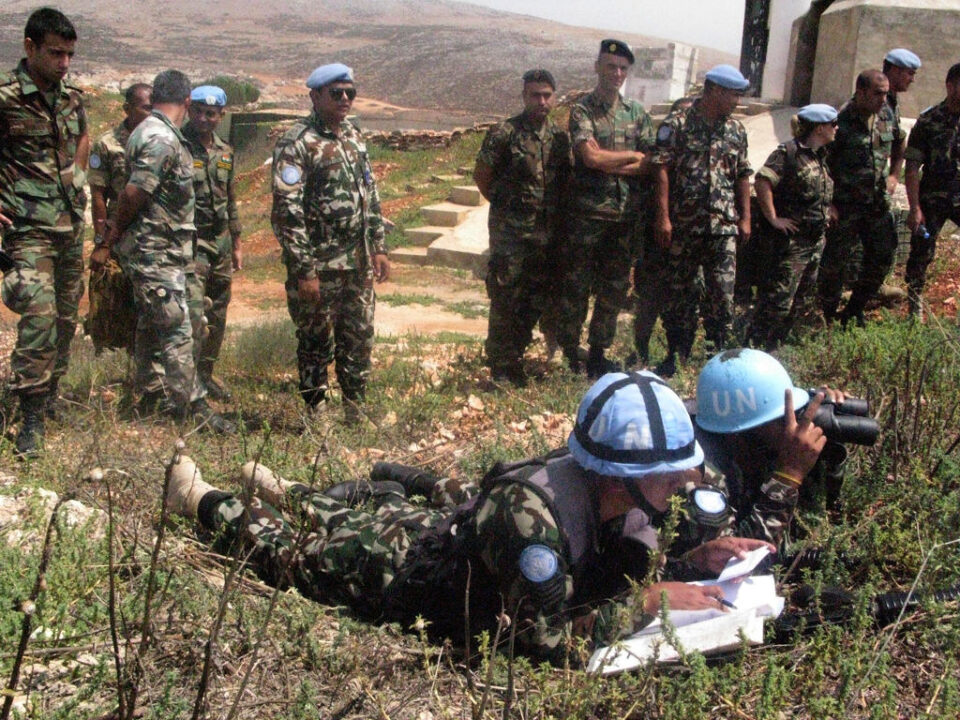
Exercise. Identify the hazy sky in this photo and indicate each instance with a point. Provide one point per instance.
(715, 23)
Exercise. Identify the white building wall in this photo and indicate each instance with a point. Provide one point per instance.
(782, 15)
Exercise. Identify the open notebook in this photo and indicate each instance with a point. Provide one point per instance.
(755, 598)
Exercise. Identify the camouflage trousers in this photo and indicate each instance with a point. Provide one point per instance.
(935, 214)
(519, 285)
(787, 286)
(214, 275)
(688, 253)
(339, 327)
(874, 229)
(44, 289)
(595, 257)
(329, 552)
(163, 344)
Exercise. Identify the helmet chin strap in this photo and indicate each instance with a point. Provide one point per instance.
(656, 516)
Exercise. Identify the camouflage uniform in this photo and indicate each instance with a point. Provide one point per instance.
(763, 503)
(353, 557)
(217, 224)
(802, 192)
(530, 172)
(935, 144)
(41, 191)
(156, 253)
(598, 247)
(705, 162)
(108, 165)
(857, 159)
(326, 216)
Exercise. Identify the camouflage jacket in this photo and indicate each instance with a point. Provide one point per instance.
(935, 144)
(890, 114)
(705, 162)
(216, 204)
(40, 186)
(804, 191)
(161, 165)
(531, 169)
(326, 209)
(858, 159)
(108, 165)
(586, 599)
(625, 125)
(763, 503)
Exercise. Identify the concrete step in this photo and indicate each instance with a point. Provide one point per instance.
(445, 178)
(423, 236)
(444, 214)
(409, 256)
(467, 195)
(454, 254)
(464, 170)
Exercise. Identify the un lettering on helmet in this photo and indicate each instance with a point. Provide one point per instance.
(744, 401)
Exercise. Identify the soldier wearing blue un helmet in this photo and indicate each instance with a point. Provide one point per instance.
(757, 446)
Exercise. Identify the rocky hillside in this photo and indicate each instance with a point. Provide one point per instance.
(417, 53)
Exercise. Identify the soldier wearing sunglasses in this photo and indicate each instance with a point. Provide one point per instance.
(326, 216)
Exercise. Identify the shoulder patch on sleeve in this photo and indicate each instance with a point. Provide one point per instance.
(665, 135)
(290, 175)
(538, 563)
(94, 161)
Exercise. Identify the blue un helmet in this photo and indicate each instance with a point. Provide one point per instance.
(633, 424)
(742, 389)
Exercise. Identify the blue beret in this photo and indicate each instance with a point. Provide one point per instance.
(208, 95)
(817, 113)
(727, 76)
(326, 74)
(901, 57)
(617, 47)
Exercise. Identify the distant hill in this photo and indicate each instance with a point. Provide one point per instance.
(434, 54)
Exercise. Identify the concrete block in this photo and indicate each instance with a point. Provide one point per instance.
(464, 170)
(467, 195)
(409, 256)
(855, 35)
(445, 178)
(444, 214)
(423, 236)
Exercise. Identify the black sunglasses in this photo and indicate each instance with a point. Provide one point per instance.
(338, 93)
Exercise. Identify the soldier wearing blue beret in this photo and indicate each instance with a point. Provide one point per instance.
(326, 216)
(900, 66)
(794, 193)
(703, 206)
(219, 251)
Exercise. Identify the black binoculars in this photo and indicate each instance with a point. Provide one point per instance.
(846, 422)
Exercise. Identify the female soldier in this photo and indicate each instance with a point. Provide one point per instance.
(794, 191)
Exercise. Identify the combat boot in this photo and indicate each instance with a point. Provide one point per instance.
(357, 492)
(352, 402)
(598, 365)
(30, 437)
(414, 480)
(512, 373)
(52, 399)
(215, 389)
(186, 488)
(261, 481)
(207, 417)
